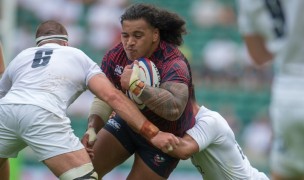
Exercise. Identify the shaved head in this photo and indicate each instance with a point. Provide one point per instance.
(51, 32)
(50, 27)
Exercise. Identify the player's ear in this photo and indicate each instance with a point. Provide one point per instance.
(155, 35)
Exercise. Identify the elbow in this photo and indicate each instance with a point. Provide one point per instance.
(259, 61)
(174, 115)
(176, 111)
(261, 58)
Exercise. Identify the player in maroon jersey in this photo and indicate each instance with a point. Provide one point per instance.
(155, 34)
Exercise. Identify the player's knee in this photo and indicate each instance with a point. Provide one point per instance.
(84, 172)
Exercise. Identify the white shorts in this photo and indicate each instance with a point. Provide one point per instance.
(27, 125)
(287, 157)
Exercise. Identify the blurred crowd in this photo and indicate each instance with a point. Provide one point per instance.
(219, 59)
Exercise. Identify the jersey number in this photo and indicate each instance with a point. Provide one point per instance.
(42, 58)
(276, 11)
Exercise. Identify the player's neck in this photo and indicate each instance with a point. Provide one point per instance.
(195, 107)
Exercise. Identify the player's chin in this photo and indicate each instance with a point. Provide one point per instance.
(132, 55)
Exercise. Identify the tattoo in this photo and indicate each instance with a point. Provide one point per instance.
(167, 101)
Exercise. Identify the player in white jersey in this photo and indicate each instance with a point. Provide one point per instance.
(35, 91)
(213, 149)
(273, 32)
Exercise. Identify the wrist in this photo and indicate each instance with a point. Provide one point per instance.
(137, 87)
(92, 134)
(148, 130)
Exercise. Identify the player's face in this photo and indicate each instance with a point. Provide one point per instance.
(139, 39)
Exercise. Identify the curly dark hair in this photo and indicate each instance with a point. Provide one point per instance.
(170, 25)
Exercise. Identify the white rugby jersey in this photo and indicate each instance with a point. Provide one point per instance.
(220, 156)
(50, 76)
(281, 23)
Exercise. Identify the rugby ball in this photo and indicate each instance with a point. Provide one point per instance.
(148, 73)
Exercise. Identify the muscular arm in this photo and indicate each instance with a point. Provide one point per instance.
(257, 49)
(105, 91)
(168, 101)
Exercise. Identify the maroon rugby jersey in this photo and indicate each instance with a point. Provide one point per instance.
(172, 66)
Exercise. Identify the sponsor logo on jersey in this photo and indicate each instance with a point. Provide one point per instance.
(118, 70)
(114, 124)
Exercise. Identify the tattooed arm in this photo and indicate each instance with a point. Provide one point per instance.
(168, 101)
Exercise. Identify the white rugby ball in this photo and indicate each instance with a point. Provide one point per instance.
(148, 73)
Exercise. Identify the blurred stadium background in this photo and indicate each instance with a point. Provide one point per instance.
(225, 79)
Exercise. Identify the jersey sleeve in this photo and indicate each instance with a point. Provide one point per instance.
(91, 68)
(106, 66)
(175, 70)
(246, 16)
(204, 132)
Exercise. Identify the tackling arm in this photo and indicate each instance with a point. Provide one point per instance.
(186, 148)
(103, 89)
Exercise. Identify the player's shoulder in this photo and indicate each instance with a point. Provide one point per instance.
(115, 50)
(203, 111)
(74, 50)
(170, 51)
(25, 52)
(170, 58)
(116, 53)
(59, 48)
(212, 118)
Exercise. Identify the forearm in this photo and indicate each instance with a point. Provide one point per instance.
(99, 114)
(95, 122)
(168, 101)
(122, 105)
(257, 49)
(135, 119)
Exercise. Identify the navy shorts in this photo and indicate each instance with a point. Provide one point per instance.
(161, 163)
